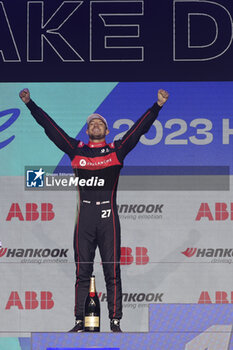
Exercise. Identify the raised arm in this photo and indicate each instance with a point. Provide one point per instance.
(66, 143)
(143, 124)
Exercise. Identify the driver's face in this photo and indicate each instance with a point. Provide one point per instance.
(97, 129)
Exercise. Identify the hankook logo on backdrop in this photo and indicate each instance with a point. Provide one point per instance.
(189, 252)
(36, 255)
(226, 254)
(140, 211)
(136, 300)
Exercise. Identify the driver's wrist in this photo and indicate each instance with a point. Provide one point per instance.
(160, 104)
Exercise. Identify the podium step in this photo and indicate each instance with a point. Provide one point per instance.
(188, 317)
(171, 327)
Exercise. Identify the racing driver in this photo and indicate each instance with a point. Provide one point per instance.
(97, 222)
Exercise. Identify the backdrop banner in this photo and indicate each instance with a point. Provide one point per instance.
(174, 202)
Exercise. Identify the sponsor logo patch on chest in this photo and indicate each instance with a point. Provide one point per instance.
(94, 163)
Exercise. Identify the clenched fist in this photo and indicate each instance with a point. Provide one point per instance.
(25, 95)
(162, 97)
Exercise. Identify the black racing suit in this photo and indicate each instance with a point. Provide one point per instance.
(97, 218)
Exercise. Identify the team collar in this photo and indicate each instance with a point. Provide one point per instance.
(95, 144)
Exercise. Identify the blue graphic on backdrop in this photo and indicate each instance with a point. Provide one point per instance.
(15, 112)
(25, 343)
(194, 128)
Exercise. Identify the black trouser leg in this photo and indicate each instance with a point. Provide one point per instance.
(108, 239)
(84, 248)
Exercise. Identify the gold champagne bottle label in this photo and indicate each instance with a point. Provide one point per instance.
(92, 321)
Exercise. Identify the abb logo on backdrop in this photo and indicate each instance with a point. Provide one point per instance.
(141, 257)
(222, 212)
(221, 297)
(31, 301)
(32, 212)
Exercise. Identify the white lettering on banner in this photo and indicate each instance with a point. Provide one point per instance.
(205, 131)
(111, 51)
(172, 138)
(158, 137)
(117, 124)
(183, 128)
(189, 26)
(113, 37)
(110, 25)
(218, 22)
(226, 131)
(38, 31)
(10, 51)
(214, 338)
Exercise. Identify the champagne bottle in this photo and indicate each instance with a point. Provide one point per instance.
(92, 309)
